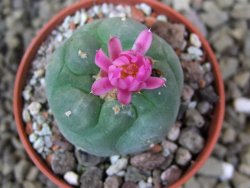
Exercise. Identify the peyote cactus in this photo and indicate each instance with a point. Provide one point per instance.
(135, 108)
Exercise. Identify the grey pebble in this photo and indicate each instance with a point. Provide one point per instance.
(62, 162)
(194, 118)
(147, 161)
(191, 139)
(86, 159)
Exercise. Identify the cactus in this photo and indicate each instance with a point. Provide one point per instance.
(101, 125)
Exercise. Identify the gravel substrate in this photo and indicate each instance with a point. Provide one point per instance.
(225, 23)
(165, 162)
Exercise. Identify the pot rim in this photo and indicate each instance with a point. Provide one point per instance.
(159, 7)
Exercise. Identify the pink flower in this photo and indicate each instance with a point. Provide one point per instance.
(127, 71)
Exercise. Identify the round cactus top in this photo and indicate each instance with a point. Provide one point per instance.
(117, 104)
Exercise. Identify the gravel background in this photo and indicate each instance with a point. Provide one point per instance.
(226, 24)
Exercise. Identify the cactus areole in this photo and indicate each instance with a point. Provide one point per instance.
(114, 87)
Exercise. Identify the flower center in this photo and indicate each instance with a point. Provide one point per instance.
(129, 70)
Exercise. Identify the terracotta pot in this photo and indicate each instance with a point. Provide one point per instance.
(214, 131)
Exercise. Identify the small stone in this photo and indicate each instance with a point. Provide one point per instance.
(225, 4)
(117, 167)
(174, 132)
(168, 147)
(91, 178)
(219, 151)
(204, 107)
(242, 79)
(222, 42)
(229, 67)
(145, 8)
(34, 108)
(245, 155)
(183, 156)
(207, 182)
(129, 185)
(26, 116)
(39, 143)
(134, 175)
(216, 168)
(242, 105)
(209, 94)
(149, 21)
(21, 170)
(114, 159)
(187, 93)
(147, 161)
(112, 182)
(191, 139)
(32, 174)
(143, 184)
(48, 141)
(39, 73)
(183, 5)
(241, 11)
(172, 174)
(194, 118)
(162, 18)
(71, 178)
(86, 159)
(192, 183)
(213, 16)
(63, 162)
(244, 169)
(197, 52)
(33, 137)
(228, 135)
(194, 40)
(223, 185)
(172, 33)
(240, 181)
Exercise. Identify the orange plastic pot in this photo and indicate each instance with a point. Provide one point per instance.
(217, 121)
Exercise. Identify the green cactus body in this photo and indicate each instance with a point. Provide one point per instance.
(105, 127)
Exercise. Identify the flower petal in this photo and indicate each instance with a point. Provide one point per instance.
(153, 83)
(124, 96)
(102, 61)
(114, 47)
(143, 41)
(101, 86)
(122, 60)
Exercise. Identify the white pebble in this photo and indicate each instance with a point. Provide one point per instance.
(45, 130)
(162, 18)
(207, 67)
(33, 137)
(26, 115)
(48, 141)
(197, 52)
(150, 180)
(84, 18)
(77, 17)
(194, 40)
(96, 9)
(34, 108)
(228, 171)
(42, 82)
(117, 167)
(192, 105)
(114, 159)
(59, 38)
(121, 173)
(145, 8)
(143, 184)
(39, 73)
(39, 143)
(242, 105)
(68, 113)
(72, 178)
(105, 8)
